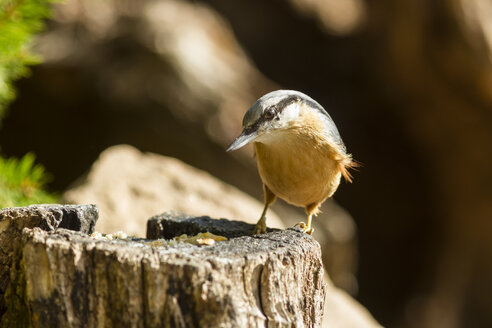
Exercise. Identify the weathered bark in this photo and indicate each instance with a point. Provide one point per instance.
(68, 278)
(46, 217)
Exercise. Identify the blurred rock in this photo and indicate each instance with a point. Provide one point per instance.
(336, 17)
(129, 187)
(342, 311)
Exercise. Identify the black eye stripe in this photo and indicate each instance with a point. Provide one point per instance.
(286, 102)
(277, 108)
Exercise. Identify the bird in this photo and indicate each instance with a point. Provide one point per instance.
(299, 152)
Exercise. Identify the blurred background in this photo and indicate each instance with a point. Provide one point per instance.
(408, 83)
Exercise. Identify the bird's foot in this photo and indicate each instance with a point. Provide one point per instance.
(260, 228)
(305, 228)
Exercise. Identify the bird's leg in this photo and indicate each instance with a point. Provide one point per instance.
(308, 229)
(269, 199)
(261, 224)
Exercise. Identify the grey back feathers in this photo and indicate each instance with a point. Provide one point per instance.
(281, 99)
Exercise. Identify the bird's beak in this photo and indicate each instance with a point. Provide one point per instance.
(245, 138)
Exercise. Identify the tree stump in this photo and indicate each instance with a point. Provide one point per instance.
(66, 278)
(47, 217)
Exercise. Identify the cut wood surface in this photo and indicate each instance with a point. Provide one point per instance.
(66, 278)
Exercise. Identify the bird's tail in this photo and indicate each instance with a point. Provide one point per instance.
(346, 164)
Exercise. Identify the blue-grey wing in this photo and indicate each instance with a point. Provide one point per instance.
(330, 127)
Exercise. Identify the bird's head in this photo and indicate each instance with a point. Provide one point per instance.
(273, 112)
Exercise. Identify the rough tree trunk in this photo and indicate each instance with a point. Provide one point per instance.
(65, 278)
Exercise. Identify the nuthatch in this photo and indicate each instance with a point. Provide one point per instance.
(300, 154)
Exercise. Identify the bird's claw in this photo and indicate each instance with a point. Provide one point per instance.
(260, 228)
(304, 227)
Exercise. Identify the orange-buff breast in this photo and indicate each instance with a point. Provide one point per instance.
(299, 168)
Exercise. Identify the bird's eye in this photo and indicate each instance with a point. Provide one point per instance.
(269, 113)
